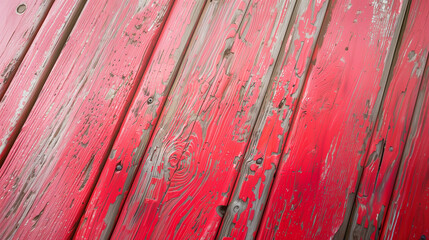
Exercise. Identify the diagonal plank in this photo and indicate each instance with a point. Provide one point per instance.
(393, 124)
(19, 23)
(408, 213)
(34, 69)
(260, 162)
(119, 171)
(192, 160)
(315, 184)
(51, 169)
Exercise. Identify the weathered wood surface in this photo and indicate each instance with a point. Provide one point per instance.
(316, 109)
(19, 23)
(246, 206)
(316, 182)
(392, 127)
(34, 69)
(193, 158)
(408, 214)
(119, 171)
(51, 169)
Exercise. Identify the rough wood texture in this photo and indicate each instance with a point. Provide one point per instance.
(238, 119)
(119, 171)
(50, 171)
(34, 69)
(408, 214)
(393, 124)
(316, 182)
(246, 206)
(191, 163)
(19, 22)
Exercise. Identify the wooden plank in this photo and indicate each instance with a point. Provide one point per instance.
(51, 169)
(119, 171)
(192, 160)
(408, 214)
(19, 23)
(246, 206)
(34, 69)
(393, 124)
(316, 182)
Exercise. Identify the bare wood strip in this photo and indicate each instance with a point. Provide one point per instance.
(247, 204)
(118, 173)
(316, 182)
(193, 158)
(392, 129)
(52, 167)
(19, 23)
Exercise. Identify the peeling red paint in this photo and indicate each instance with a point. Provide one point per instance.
(52, 166)
(260, 162)
(119, 171)
(317, 177)
(192, 160)
(238, 119)
(392, 127)
(18, 28)
(408, 214)
(34, 69)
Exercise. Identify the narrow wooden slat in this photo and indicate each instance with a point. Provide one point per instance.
(260, 162)
(393, 124)
(50, 170)
(34, 69)
(192, 160)
(316, 182)
(408, 214)
(19, 22)
(118, 173)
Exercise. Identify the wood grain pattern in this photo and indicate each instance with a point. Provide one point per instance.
(191, 163)
(118, 173)
(316, 181)
(204, 119)
(393, 124)
(34, 70)
(19, 23)
(51, 169)
(408, 214)
(247, 204)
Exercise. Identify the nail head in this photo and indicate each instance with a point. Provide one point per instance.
(21, 8)
(118, 167)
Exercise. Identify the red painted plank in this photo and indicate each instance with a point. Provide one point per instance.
(192, 160)
(260, 162)
(315, 184)
(19, 22)
(34, 69)
(408, 214)
(50, 171)
(118, 173)
(393, 124)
